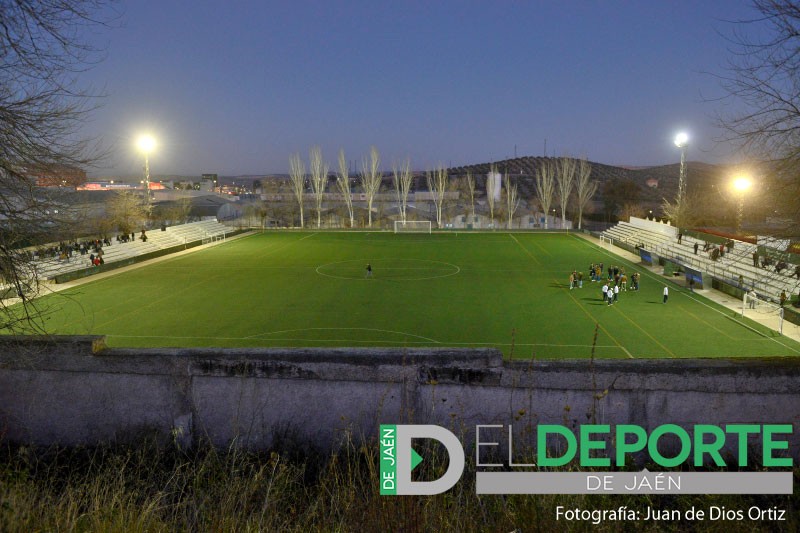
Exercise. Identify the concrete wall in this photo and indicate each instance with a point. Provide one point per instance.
(655, 226)
(62, 392)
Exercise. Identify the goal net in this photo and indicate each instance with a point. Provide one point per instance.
(753, 304)
(608, 241)
(412, 226)
(756, 308)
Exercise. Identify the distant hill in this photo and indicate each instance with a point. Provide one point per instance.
(655, 183)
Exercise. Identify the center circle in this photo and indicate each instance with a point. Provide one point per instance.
(389, 269)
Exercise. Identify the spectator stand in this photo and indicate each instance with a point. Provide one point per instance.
(724, 269)
(56, 268)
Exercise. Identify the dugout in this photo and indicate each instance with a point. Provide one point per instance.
(694, 278)
(701, 279)
(648, 257)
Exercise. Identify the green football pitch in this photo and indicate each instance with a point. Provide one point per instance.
(504, 290)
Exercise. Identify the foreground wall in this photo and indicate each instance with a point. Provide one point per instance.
(61, 392)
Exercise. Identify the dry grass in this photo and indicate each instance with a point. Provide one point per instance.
(156, 488)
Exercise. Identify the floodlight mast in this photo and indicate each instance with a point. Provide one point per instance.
(146, 143)
(682, 141)
(741, 184)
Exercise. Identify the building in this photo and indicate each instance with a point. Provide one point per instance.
(57, 176)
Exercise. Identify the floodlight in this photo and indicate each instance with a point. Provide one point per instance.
(146, 143)
(742, 184)
(681, 140)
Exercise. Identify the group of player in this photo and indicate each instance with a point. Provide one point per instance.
(616, 281)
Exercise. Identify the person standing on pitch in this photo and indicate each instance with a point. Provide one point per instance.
(666, 293)
(604, 288)
(369, 271)
(616, 293)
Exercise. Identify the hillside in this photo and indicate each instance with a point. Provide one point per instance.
(653, 183)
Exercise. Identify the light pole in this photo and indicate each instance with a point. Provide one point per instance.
(682, 141)
(741, 185)
(146, 143)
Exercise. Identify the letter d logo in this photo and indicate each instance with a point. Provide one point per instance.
(397, 474)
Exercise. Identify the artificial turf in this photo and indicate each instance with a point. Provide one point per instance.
(506, 290)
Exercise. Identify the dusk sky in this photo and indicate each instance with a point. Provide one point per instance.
(237, 87)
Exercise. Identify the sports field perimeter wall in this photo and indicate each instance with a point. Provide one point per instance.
(60, 392)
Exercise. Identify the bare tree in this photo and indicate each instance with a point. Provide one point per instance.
(545, 186)
(42, 52)
(512, 200)
(343, 181)
(491, 184)
(470, 185)
(176, 212)
(297, 175)
(565, 179)
(585, 188)
(127, 210)
(764, 75)
(680, 213)
(402, 186)
(371, 179)
(319, 179)
(437, 185)
(277, 205)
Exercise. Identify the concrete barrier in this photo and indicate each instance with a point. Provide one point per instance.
(64, 391)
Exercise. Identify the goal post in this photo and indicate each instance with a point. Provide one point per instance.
(608, 241)
(760, 309)
(412, 226)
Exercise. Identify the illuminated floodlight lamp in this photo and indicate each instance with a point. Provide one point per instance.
(681, 140)
(742, 184)
(146, 143)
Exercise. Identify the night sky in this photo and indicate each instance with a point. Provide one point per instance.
(237, 87)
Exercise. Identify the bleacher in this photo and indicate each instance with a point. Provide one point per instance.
(181, 235)
(662, 239)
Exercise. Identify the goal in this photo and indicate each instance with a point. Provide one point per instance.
(608, 241)
(755, 307)
(412, 226)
